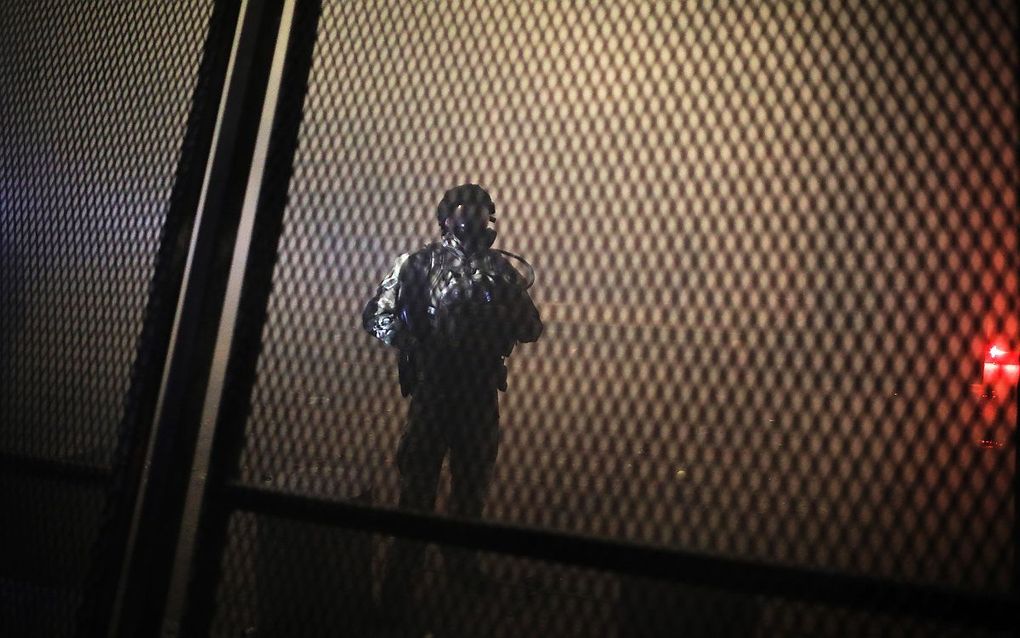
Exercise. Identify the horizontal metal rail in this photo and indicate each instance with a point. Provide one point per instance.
(60, 469)
(975, 609)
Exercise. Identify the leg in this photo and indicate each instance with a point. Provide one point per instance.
(419, 459)
(420, 455)
(474, 444)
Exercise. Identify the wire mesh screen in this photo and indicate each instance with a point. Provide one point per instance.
(49, 527)
(289, 578)
(95, 105)
(93, 111)
(775, 245)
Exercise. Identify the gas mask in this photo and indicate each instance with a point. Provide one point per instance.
(470, 224)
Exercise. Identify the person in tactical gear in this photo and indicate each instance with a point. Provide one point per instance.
(454, 311)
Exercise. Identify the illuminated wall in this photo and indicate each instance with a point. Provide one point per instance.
(773, 241)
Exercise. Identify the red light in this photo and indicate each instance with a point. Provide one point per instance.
(1001, 366)
(1011, 372)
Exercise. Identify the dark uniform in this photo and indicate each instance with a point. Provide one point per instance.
(454, 310)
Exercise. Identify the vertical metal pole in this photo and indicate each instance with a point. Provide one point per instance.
(199, 485)
(164, 479)
(234, 407)
(129, 464)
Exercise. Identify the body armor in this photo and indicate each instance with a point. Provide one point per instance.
(453, 315)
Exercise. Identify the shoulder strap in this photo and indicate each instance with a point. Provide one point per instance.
(529, 270)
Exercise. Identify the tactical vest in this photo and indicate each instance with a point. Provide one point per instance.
(469, 302)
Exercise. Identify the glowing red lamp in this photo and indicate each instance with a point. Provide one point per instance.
(1001, 366)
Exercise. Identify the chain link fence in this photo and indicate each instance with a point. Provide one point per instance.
(774, 243)
(776, 261)
(93, 113)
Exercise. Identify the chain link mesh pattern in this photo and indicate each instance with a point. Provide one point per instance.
(48, 529)
(299, 579)
(773, 243)
(95, 106)
(93, 111)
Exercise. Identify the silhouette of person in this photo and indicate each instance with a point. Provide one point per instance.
(454, 310)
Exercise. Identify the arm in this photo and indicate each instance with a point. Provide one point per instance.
(381, 316)
(394, 314)
(524, 316)
(529, 323)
